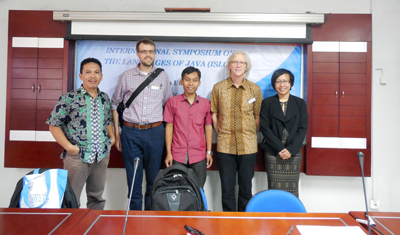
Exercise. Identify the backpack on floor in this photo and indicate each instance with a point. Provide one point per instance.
(68, 201)
(175, 189)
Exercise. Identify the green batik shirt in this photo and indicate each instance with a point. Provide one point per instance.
(73, 115)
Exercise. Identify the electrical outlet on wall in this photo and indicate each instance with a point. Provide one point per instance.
(374, 204)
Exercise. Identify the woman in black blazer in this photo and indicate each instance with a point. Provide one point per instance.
(283, 123)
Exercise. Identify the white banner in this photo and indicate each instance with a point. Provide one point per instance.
(210, 58)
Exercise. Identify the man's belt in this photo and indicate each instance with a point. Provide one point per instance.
(142, 127)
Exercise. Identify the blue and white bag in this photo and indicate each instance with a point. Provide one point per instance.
(44, 190)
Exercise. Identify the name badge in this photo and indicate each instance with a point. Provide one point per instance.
(155, 87)
(252, 100)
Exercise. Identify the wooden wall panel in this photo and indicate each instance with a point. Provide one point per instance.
(41, 125)
(353, 132)
(23, 104)
(50, 84)
(343, 162)
(49, 94)
(319, 131)
(325, 78)
(24, 52)
(46, 104)
(353, 67)
(23, 84)
(24, 62)
(23, 73)
(344, 27)
(346, 121)
(20, 114)
(23, 94)
(325, 121)
(353, 78)
(56, 53)
(326, 99)
(325, 68)
(353, 57)
(50, 73)
(23, 125)
(359, 110)
(43, 115)
(50, 63)
(321, 57)
(40, 24)
(34, 24)
(39, 155)
(354, 100)
(350, 89)
(325, 89)
(329, 110)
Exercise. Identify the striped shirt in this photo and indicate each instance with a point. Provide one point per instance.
(147, 107)
(236, 108)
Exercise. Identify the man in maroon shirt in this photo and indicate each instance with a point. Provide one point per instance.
(188, 116)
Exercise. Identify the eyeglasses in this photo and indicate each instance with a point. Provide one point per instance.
(145, 52)
(282, 82)
(241, 63)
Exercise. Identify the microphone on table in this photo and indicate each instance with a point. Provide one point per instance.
(360, 156)
(135, 166)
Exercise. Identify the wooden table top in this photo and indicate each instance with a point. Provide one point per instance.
(386, 222)
(39, 221)
(210, 223)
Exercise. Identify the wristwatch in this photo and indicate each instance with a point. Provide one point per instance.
(209, 152)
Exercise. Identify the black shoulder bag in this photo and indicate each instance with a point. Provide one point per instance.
(121, 106)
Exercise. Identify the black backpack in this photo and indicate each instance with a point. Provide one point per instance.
(175, 189)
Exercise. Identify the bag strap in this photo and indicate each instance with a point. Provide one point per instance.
(146, 82)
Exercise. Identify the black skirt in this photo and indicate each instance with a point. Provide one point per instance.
(283, 174)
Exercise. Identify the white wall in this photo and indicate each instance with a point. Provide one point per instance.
(319, 194)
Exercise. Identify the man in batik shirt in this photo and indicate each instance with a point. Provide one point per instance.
(81, 123)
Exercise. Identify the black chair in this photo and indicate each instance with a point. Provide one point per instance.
(69, 200)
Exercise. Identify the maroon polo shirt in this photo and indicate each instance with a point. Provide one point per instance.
(189, 121)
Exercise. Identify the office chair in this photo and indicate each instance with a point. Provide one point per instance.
(275, 201)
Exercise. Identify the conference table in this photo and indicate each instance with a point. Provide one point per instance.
(386, 222)
(210, 223)
(86, 221)
(39, 221)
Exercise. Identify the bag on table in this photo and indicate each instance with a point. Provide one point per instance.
(44, 190)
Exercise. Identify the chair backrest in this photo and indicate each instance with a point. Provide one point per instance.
(203, 195)
(275, 201)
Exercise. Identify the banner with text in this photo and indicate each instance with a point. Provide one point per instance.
(210, 58)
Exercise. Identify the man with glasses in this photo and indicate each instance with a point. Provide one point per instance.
(235, 107)
(142, 134)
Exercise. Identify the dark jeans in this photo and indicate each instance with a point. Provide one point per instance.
(148, 145)
(228, 164)
(199, 169)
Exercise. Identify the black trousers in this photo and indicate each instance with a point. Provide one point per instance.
(228, 165)
(199, 169)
